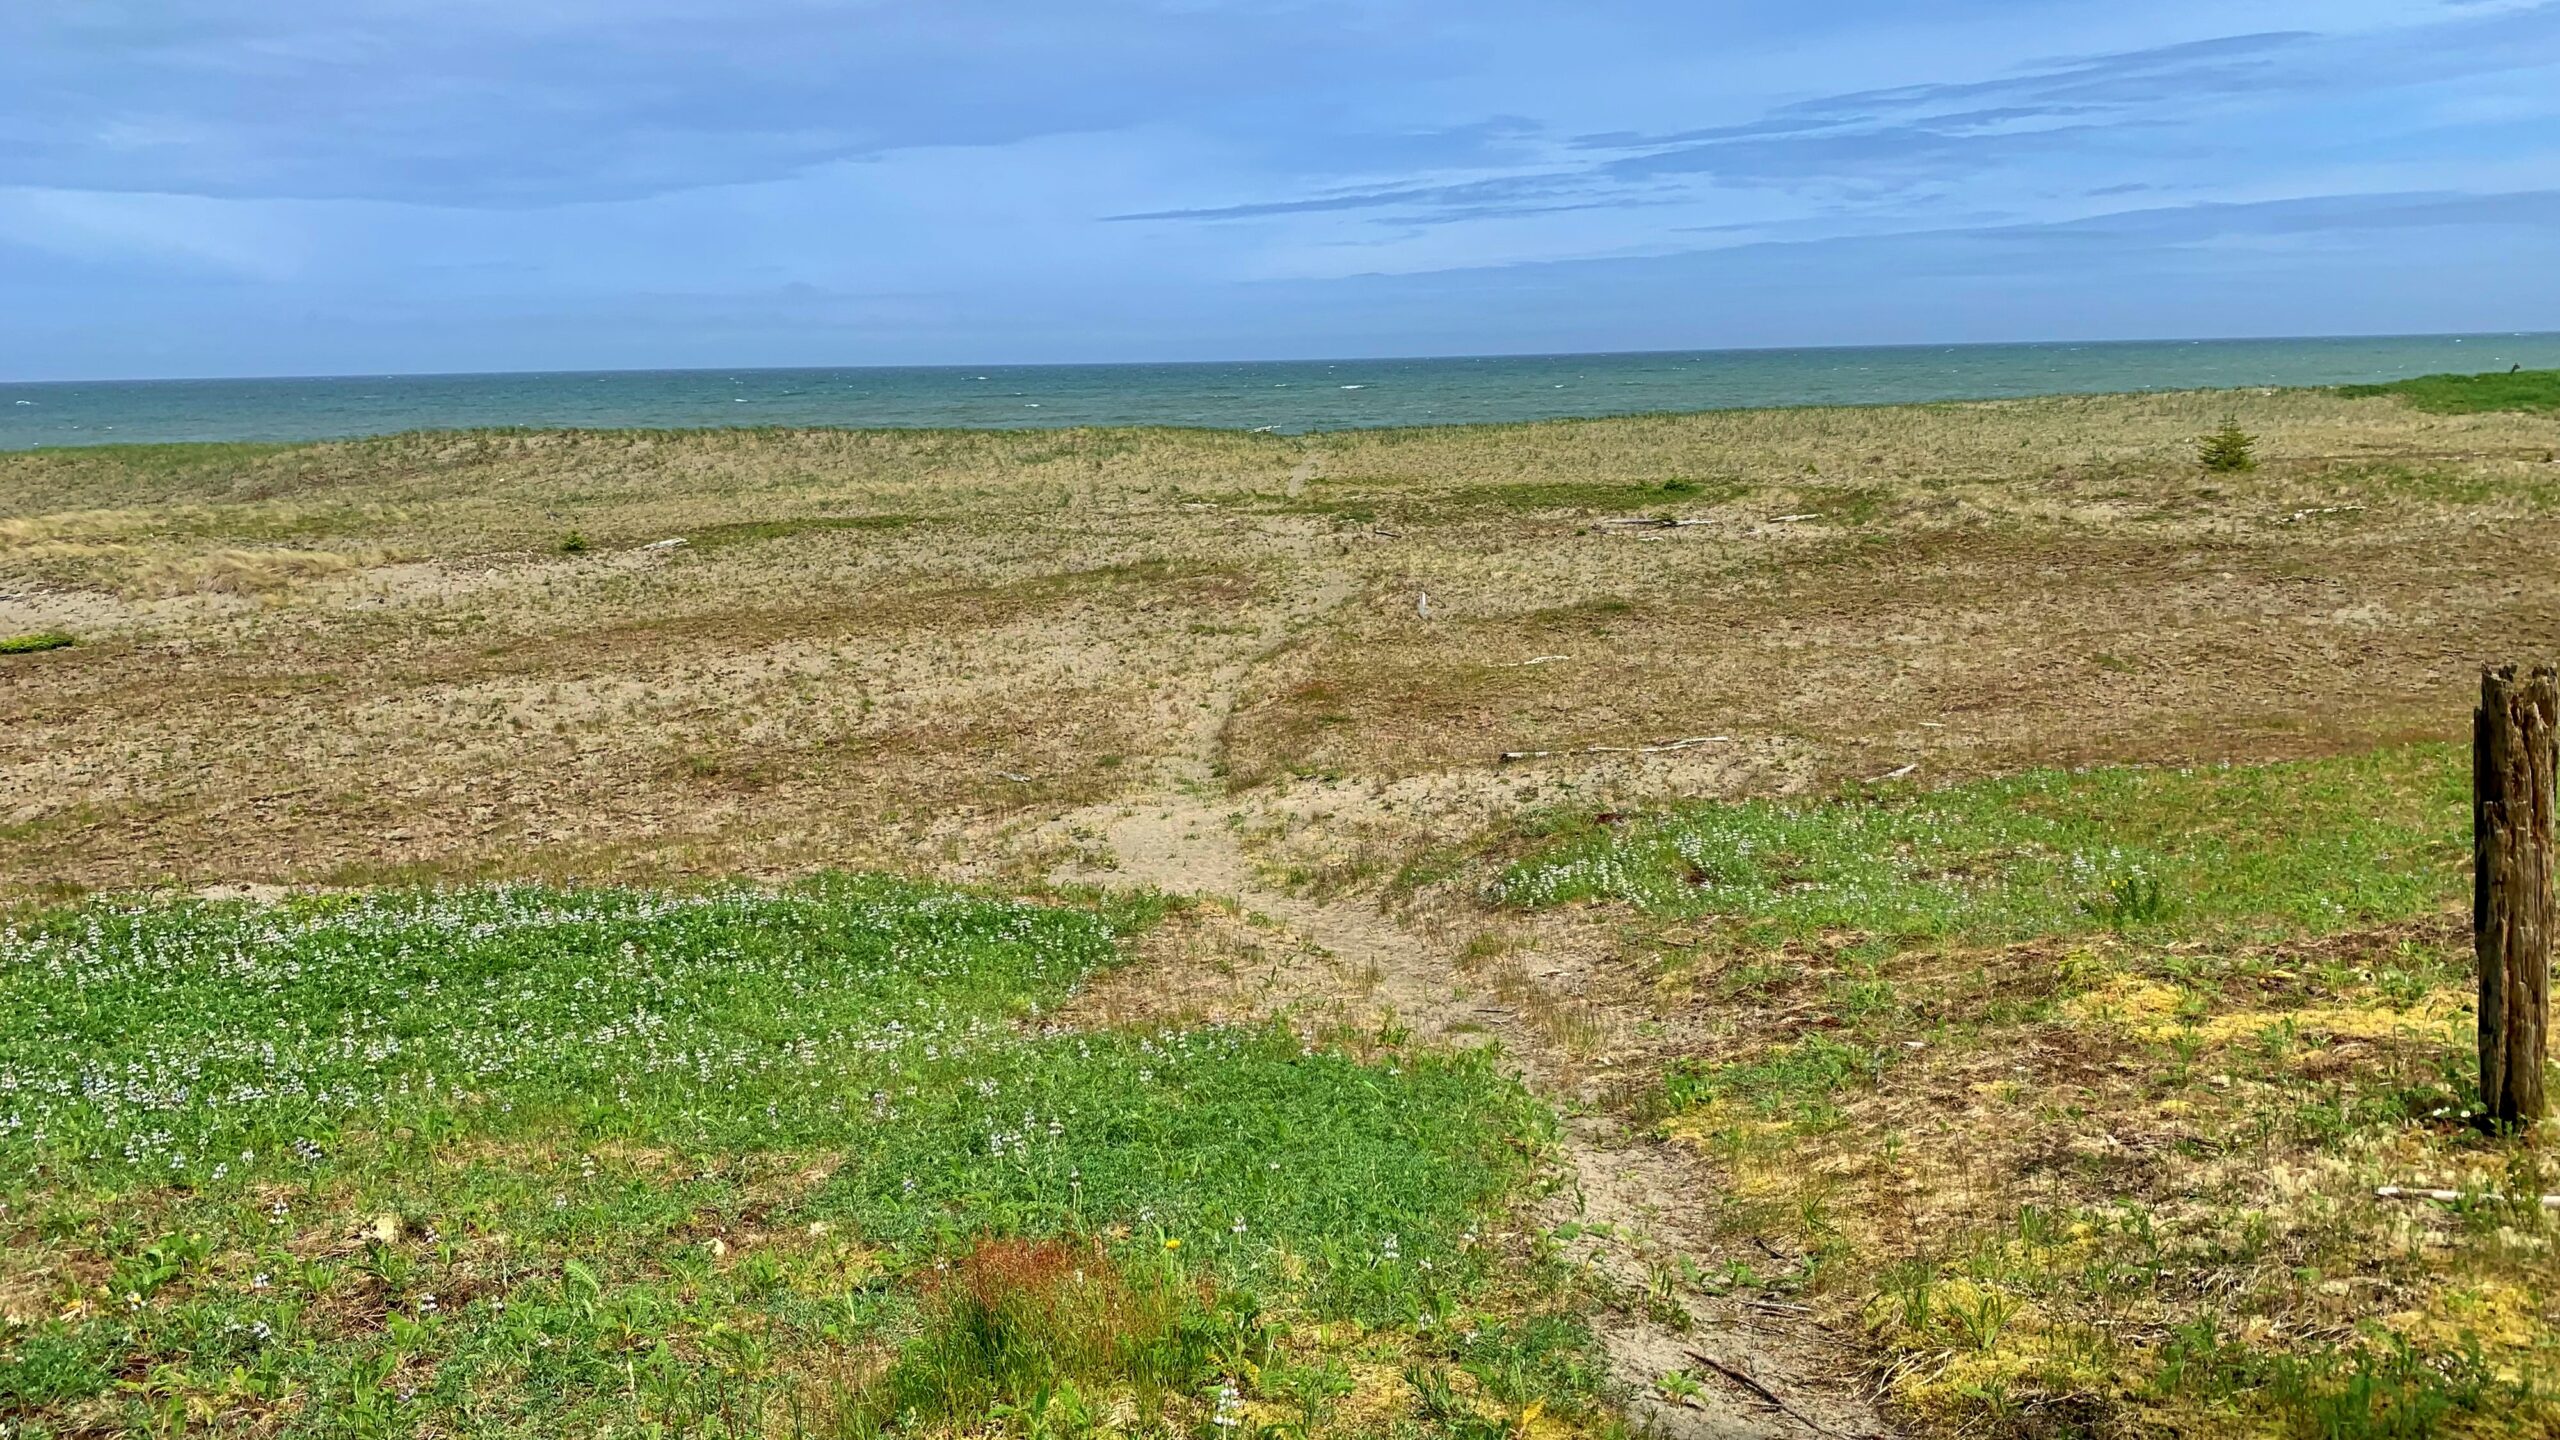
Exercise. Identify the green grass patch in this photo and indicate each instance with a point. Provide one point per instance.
(1797, 1082)
(503, 1160)
(2531, 390)
(38, 642)
(2311, 846)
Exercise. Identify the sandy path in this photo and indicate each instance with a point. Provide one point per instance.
(1637, 1201)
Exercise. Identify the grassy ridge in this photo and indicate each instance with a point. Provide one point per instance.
(489, 1161)
(2528, 390)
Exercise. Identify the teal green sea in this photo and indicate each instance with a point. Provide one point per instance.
(1288, 396)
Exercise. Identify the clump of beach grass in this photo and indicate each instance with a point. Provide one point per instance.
(35, 642)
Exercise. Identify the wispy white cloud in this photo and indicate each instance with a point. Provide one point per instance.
(2223, 109)
(560, 181)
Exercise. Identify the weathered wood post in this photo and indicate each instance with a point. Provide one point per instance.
(2512, 922)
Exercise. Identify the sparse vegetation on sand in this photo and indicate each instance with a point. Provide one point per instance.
(1929, 920)
(875, 646)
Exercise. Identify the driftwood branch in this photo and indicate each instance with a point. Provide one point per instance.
(2448, 1197)
(1691, 743)
(1744, 1379)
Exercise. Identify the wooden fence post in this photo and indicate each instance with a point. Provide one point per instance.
(2512, 920)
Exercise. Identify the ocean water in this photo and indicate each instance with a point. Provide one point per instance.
(1287, 396)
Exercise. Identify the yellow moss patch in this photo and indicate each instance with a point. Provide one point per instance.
(2374, 1022)
(1984, 1343)
(1379, 1397)
(1536, 1424)
(2155, 1011)
(1373, 1361)
(2499, 1315)
(2145, 1007)
(1713, 1123)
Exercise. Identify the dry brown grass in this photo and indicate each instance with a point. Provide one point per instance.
(351, 661)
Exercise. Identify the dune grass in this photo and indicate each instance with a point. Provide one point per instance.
(2529, 390)
(718, 1163)
(1063, 596)
(748, 532)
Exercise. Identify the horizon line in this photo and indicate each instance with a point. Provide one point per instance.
(1382, 359)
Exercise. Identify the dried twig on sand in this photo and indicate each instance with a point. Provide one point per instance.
(1652, 522)
(1695, 740)
(2448, 1197)
(1744, 1379)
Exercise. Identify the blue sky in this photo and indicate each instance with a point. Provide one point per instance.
(212, 187)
